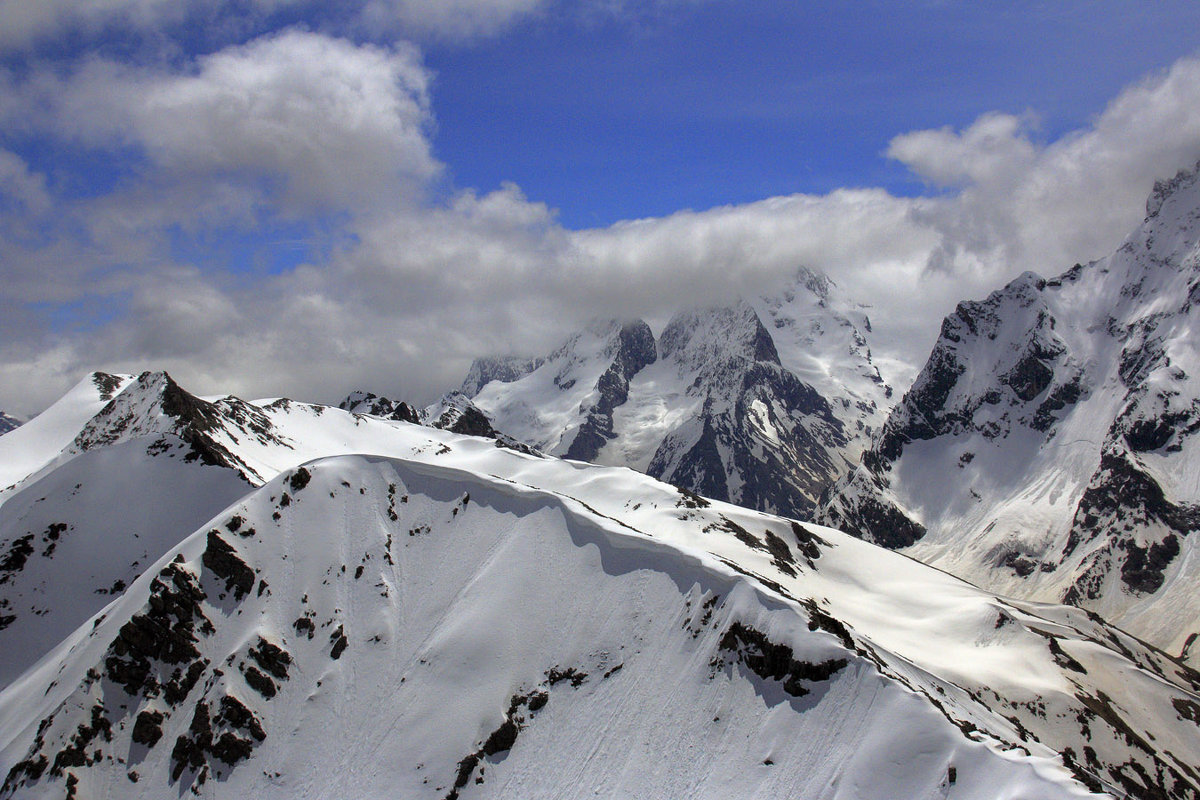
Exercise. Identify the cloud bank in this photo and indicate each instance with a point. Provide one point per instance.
(313, 154)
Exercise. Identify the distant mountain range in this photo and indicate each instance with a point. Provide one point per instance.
(275, 599)
(763, 402)
(8, 423)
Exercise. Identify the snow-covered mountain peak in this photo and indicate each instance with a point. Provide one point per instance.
(717, 339)
(361, 402)
(1048, 447)
(503, 626)
(32, 446)
(1178, 192)
(155, 406)
(762, 400)
(562, 404)
(8, 423)
(505, 369)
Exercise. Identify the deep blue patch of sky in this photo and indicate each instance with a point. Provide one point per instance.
(727, 102)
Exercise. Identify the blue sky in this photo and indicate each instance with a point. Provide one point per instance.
(290, 197)
(722, 102)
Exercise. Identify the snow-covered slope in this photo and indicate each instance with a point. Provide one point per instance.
(1048, 447)
(821, 336)
(563, 404)
(726, 419)
(762, 402)
(442, 617)
(460, 620)
(32, 446)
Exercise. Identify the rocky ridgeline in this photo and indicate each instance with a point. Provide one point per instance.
(1057, 420)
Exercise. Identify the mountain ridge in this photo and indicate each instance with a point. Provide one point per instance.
(711, 404)
(1058, 418)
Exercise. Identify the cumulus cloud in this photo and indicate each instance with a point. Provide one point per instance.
(336, 123)
(27, 23)
(1044, 207)
(993, 147)
(410, 290)
(318, 122)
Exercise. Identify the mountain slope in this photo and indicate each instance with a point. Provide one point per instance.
(761, 402)
(745, 428)
(457, 619)
(388, 624)
(563, 404)
(1047, 448)
(31, 447)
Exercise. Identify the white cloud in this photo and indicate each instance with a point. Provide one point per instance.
(993, 147)
(459, 19)
(318, 122)
(22, 186)
(25, 23)
(1023, 206)
(414, 291)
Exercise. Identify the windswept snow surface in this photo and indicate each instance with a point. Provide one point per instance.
(441, 617)
(25, 450)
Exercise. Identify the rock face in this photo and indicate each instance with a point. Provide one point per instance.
(635, 350)
(360, 402)
(760, 402)
(154, 408)
(756, 434)
(8, 423)
(639, 641)
(504, 369)
(1048, 447)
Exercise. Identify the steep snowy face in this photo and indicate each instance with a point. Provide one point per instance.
(95, 508)
(1048, 447)
(457, 413)
(821, 336)
(751, 432)
(31, 447)
(505, 369)
(154, 408)
(563, 404)
(469, 622)
(75, 538)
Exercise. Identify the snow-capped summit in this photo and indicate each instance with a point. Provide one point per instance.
(763, 402)
(154, 406)
(1048, 448)
(822, 336)
(564, 404)
(738, 425)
